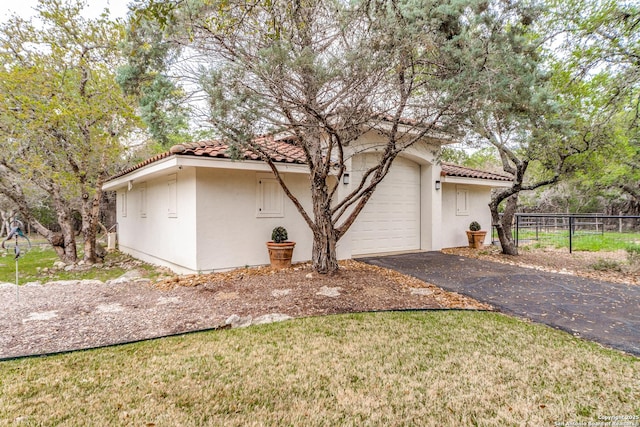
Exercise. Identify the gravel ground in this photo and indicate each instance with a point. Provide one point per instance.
(72, 315)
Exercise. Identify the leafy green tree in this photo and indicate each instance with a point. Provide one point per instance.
(62, 117)
(555, 115)
(599, 44)
(485, 158)
(147, 76)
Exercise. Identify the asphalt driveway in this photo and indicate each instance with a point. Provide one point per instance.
(608, 313)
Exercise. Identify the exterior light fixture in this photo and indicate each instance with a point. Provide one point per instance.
(345, 178)
(438, 185)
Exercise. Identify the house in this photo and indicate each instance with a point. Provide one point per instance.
(194, 209)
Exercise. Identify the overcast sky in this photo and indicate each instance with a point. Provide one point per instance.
(25, 8)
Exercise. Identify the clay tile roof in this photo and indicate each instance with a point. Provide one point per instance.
(449, 169)
(280, 150)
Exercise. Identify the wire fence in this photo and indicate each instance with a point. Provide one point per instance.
(577, 232)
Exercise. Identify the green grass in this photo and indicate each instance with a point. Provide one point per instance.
(41, 256)
(412, 368)
(594, 242)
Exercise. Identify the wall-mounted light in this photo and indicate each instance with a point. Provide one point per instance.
(438, 185)
(345, 178)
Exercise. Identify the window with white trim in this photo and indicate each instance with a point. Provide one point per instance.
(172, 196)
(462, 201)
(270, 197)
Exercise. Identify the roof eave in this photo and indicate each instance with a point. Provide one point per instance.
(483, 182)
(175, 162)
(158, 167)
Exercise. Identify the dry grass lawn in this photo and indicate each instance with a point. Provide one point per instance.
(439, 368)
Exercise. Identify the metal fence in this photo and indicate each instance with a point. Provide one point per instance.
(591, 232)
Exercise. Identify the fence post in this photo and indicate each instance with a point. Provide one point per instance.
(517, 229)
(571, 234)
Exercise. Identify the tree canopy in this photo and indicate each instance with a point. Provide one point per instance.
(62, 115)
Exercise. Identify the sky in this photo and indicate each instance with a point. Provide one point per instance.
(25, 8)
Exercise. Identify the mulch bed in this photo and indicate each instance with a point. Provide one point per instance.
(59, 317)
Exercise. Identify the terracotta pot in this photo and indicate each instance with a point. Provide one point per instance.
(280, 254)
(476, 238)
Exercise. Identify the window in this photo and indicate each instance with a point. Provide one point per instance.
(172, 191)
(142, 191)
(462, 201)
(270, 197)
(123, 204)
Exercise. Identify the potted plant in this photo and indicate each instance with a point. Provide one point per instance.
(475, 235)
(280, 249)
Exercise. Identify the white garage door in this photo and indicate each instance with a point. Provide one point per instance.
(390, 221)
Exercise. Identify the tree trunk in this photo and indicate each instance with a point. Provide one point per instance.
(66, 249)
(63, 243)
(6, 216)
(90, 219)
(324, 255)
(504, 223)
(69, 252)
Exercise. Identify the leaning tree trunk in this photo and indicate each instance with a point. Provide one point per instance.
(504, 223)
(66, 247)
(5, 226)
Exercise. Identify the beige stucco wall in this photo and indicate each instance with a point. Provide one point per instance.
(230, 231)
(216, 226)
(454, 224)
(152, 233)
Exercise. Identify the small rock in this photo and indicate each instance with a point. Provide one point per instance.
(69, 267)
(110, 308)
(129, 276)
(87, 282)
(309, 276)
(271, 318)
(169, 300)
(81, 262)
(59, 265)
(280, 292)
(238, 322)
(36, 283)
(329, 292)
(421, 291)
(43, 315)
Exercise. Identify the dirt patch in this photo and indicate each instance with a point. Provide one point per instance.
(606, 266)
(39, 319)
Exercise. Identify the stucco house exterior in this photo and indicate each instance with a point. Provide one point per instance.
(194, 209)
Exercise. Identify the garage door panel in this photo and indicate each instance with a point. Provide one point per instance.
(391, 219)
